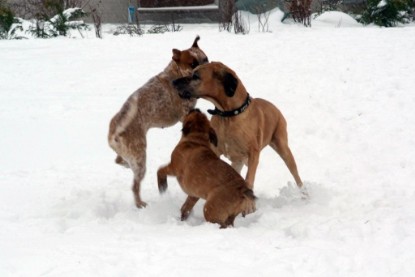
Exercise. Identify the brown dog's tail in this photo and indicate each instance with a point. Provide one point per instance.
(248, 203)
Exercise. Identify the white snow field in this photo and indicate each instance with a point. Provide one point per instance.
(347, 92)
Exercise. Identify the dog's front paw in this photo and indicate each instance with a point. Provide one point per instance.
(185, 215)
(162, 187)
(140, 204)
(162, 184)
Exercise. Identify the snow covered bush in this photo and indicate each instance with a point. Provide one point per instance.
(60, 24)
(129, 29)
(387, 13)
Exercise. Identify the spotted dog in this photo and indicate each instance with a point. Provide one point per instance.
(155, 104)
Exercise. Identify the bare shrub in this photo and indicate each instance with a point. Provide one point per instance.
(300, 11)
(239, 24)
(129, 29)
(262, 13)
(96, 15)
(226, 11)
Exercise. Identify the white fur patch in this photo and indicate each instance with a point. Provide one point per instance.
(130, 114)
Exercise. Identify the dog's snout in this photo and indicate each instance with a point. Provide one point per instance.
(182, 86)
(185, 94)
(176, 83)
(181, 82)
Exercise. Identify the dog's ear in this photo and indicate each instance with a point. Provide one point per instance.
(195, 42)
(186, 128)
(176, 55)
(212, 137)
(229, 84)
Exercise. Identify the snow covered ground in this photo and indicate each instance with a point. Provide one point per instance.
(347, 92)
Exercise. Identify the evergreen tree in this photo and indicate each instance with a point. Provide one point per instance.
(387, 13)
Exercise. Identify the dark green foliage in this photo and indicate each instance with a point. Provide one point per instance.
(9, 24)
(6, 20)
(387, 13)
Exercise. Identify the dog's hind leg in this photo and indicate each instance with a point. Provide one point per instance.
(229, 221)
(215, 212)
(279, 143)
(188, 206)
(138, 166)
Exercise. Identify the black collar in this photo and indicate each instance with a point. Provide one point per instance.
(235, 112)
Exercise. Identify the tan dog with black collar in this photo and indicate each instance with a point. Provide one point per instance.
(244, 125)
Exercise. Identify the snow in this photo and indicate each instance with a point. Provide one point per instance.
(382, 3)
(66, 209)
(337, 19)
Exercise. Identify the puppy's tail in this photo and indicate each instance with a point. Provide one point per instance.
(248, 203)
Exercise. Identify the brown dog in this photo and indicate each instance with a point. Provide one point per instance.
(202, 174)
(244, 125)
(156, 104)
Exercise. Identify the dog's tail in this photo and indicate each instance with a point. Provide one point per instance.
(248, 203)
(195, 42)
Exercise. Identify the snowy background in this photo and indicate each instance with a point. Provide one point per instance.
(347, 92)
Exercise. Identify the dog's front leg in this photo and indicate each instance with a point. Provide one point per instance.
(253, 161)
(188, 206)
(162, 177)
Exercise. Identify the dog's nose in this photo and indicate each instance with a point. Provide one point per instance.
(181, 86)
(185, 94)
(181, 82)
(178, 82)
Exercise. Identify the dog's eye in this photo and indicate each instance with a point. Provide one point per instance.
(195, 76)
(194, 64)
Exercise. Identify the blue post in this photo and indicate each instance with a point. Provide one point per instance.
(131, 14)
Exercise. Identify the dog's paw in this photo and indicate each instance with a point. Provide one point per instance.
(162, 186)
(185, 215)
(304, 192)
(140, 204)
(249, 208)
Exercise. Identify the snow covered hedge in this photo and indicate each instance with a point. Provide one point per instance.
(388, 13)
(59, 25)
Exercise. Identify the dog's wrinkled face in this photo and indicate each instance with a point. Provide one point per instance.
(210, 81)
(189, 59)
(196, 122)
